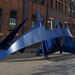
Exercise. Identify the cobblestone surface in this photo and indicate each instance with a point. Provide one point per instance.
(28, 64)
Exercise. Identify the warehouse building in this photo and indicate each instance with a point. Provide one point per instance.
(13, 12)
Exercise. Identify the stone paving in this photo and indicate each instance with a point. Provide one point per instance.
(29, 64)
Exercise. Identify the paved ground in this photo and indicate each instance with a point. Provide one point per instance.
(28, 64)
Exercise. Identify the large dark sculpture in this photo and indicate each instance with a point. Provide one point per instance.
(50, 40)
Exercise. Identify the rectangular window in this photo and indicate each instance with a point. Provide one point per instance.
(65, 9)
(42, 2)
(33, 0)
(65, 1)
(69, 10)
(0, 19)
(42, 19)
(73, 15)
(73, 30)
(59, 6)
(61, 1)
(13, 16)
(56, 4)
(51, 3)
(33, 20)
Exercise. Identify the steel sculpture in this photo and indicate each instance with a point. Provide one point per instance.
(50, 40)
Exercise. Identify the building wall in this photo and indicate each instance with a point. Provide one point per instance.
(7, 6)
(48, 12)
(71, 19)
(61, 13)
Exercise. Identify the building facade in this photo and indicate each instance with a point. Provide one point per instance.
(10, 16)
(63, 10)
(13, 12)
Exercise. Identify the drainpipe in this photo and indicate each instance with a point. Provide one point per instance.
(47, 15)
(23, 12)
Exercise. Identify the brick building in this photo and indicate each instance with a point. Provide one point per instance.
(10, 16)
(63, 10)
(12, 12)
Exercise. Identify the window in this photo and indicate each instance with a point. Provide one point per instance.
(65, 9)
(65, 6)
(13, 16)
(51, 3)
(0, 19)
(33, 20)
(69, 10)
(42, 2)
(59, 6)
(65, 1)
(42, 19)
(56, 4)
(73, 12)
(33, 0)
(73, 30)
(61, 0)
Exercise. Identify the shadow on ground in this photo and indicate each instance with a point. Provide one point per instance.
(66, 69)
(32, 57)
(60, 67)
